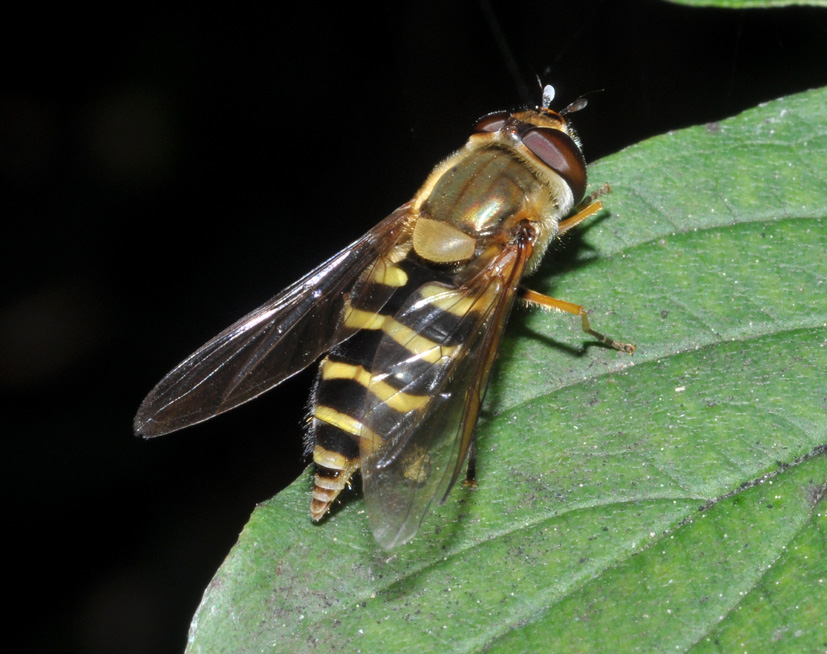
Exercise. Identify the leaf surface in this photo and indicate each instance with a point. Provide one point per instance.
(586, 532)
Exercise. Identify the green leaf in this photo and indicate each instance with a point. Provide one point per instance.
(749, 4)
(586, 533)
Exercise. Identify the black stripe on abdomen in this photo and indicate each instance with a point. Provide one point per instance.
(415, 347)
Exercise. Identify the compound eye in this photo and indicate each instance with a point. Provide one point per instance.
(559, 152)
(492, 122)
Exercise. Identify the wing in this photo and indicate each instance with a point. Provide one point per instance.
(420, 432)
(272, 343)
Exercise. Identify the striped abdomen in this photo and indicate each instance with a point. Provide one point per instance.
(416, 331)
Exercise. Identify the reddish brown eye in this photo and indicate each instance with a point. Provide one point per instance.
(559, 152)
(491, 122)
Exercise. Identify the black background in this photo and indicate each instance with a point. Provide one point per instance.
(165, 171)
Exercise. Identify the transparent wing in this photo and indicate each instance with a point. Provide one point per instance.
(412, 457)
(270, 344)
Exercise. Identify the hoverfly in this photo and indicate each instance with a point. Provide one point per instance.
(409, 319)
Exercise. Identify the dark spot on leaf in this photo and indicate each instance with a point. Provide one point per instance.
(816, 493)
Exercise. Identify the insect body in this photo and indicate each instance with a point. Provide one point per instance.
(409, 317)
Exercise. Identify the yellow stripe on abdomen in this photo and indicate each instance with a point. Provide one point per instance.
(388, 274)
(341, 421)
(449, 300)
(423, 348)
(394, 398)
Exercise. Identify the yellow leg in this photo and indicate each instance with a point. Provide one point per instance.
(540, 300)
(592, 206)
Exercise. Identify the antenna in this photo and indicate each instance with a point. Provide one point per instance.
(548, 96)
(577, 105)
(580, 103)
